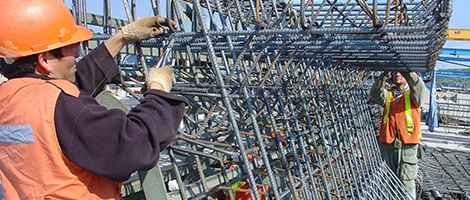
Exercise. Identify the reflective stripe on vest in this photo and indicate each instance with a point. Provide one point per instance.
(409, 119)
(387, 106)
(235, 185)
(17, 134)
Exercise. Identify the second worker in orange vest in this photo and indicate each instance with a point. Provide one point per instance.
(400, 124)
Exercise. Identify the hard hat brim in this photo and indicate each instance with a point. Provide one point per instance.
(80, 34)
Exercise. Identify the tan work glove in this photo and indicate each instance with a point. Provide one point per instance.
(145, 28)
(162, 76)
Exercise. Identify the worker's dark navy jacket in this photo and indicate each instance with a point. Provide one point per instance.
(109, 142)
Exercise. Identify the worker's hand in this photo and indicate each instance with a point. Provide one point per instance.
(160, 77)
(145, 28)
(387, 74)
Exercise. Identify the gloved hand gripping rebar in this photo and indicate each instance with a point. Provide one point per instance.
(142, 29)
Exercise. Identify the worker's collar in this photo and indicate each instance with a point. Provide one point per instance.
(33, 75)
(397, 93)
(10, 60)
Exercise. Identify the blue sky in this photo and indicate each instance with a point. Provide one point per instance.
(460, 17)
(117, 8)
(459, 20)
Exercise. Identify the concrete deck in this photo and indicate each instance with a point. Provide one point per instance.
(446, 138)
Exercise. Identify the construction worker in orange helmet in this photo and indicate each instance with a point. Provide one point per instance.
(56, 141)
(400, 124)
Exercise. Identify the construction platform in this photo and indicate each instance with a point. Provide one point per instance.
(445, 166)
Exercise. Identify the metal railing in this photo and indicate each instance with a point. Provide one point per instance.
(453, 109)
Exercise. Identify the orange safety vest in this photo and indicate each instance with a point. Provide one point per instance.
(32, 165)
(404, 118)
(244, 195)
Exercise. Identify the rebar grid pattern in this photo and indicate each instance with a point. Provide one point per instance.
(447, 173)
(383, 36)
(315, 139)
(276, 93)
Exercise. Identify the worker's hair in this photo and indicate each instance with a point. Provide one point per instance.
(24, 65)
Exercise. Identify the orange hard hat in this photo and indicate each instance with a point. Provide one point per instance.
(29, 27)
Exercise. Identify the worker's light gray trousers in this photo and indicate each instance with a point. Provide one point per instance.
(403, 160)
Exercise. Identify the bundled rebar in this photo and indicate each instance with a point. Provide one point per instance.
(278, 107)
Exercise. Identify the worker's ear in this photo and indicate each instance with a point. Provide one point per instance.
(44, 63)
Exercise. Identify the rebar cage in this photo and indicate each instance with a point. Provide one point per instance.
(278, 94)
